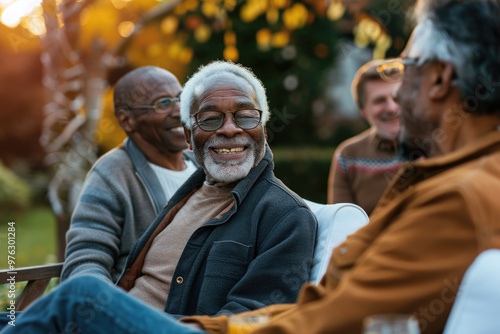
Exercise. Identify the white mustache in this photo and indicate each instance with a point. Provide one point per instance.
(220, 141)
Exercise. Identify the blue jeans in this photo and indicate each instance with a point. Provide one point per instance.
(87, 304)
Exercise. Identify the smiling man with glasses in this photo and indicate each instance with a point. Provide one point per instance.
(233, 235)
(128, 187)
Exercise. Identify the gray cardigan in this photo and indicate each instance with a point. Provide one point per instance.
(120, 198)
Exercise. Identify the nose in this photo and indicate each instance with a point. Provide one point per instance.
(229, 128)
(392, 104)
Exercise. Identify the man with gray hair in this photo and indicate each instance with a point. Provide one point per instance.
(437, 215)
(233, 223)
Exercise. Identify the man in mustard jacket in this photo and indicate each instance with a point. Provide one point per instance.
(437, 215)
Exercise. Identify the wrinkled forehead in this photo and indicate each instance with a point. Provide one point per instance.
(418, 42)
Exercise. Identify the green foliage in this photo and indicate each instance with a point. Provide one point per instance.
(35, 242)
(15, 194)
(304, 170)
(35, 238)
(393, 15)
(302, 63)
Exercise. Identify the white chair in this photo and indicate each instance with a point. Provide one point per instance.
(477, 307)
(335, 223)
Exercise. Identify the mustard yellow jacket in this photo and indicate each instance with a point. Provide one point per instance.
(435, 217)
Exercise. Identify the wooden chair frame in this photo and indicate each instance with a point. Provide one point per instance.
(38, 278)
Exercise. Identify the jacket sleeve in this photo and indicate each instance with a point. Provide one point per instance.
(413, 267)
(339, 187)
(93, 239)
(281, 266)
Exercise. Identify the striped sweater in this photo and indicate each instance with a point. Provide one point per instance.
(361, 169)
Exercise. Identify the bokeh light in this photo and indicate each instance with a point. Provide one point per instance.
(14, 11)
(126, 28)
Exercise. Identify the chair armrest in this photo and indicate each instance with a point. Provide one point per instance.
(335, 223)
(38, 278)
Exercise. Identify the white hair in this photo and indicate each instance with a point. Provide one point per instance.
(443, 47)
(196, 84)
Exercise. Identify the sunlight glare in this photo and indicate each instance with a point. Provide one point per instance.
(15, 11)
(5, 3)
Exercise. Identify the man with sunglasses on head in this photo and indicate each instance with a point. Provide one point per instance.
(128, 187)
(362, 166)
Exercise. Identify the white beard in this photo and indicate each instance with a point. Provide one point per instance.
(227, 171)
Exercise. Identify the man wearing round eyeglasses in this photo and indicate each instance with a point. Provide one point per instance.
(128, 187)
(233, 238)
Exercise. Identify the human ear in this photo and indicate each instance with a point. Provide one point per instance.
(187, 134)
(441, 80)
(126, 121)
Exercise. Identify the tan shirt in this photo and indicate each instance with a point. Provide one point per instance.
(159, 265)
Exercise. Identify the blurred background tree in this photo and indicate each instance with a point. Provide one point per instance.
(61, 58)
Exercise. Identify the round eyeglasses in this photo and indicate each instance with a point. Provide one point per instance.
(246, 119)
(162, 106)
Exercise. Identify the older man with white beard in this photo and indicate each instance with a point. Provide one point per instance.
(233, 238)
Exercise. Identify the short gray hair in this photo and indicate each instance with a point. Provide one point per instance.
(196, 84)
(466, 34)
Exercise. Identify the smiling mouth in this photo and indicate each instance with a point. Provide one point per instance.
(176, 129)
(389, 118)
(233, 150)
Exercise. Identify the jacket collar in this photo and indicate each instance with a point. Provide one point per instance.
(147, 175)
(243, 186)
(424, 168)
(487, 144)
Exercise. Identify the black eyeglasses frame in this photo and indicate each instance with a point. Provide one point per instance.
(201, 126)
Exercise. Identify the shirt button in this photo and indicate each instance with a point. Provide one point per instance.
(343, 250)
(179, 280)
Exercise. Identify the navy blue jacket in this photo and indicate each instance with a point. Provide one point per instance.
(257, 253)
